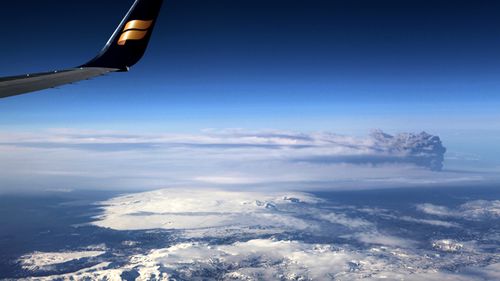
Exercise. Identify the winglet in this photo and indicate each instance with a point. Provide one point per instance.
(128, 43)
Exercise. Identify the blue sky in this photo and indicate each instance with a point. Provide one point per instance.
(263, 62)
(341, 66)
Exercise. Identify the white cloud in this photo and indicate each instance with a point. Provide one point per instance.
(473, 210)
(381, 239)
(435, 210)
(387, 214)
(430, 222)
(345, 220)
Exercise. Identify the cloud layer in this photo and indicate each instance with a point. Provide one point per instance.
(421, 149)
(87, 159)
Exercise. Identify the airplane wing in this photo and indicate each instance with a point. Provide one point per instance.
(124, 49)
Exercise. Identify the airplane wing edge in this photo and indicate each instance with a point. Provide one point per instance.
(17, 85)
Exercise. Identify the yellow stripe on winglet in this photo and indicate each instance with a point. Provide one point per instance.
(131, 35)
(138, 24)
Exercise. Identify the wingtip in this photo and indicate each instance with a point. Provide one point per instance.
(129, 42)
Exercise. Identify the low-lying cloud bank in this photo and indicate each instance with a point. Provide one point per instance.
(421, 149)
(89, 159)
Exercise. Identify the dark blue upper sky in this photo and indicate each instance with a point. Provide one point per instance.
(210, 61)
